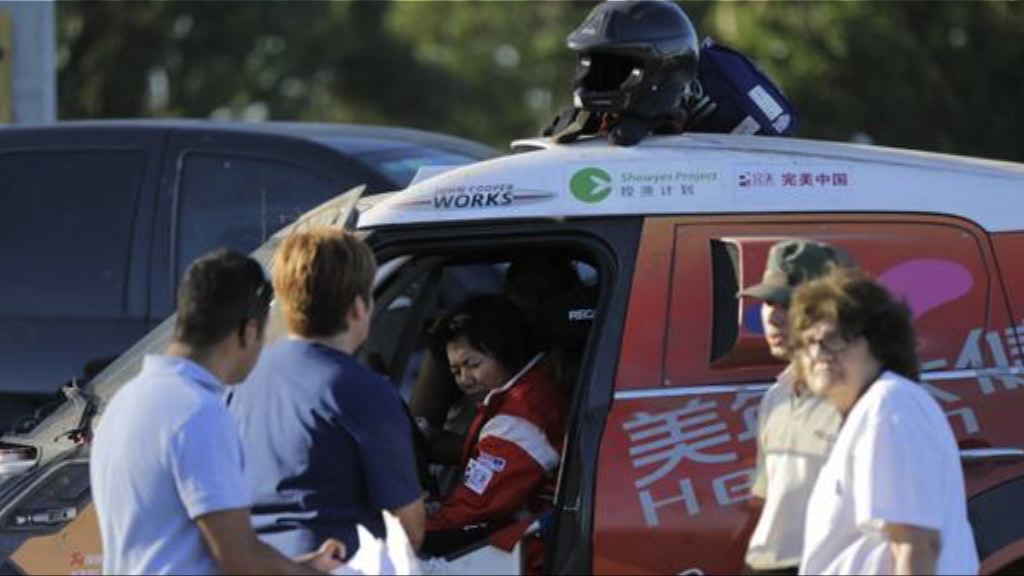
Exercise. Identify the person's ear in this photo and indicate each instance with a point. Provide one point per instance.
(251, 333)
(357, 312)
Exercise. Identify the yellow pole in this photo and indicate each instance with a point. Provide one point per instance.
(6, 64)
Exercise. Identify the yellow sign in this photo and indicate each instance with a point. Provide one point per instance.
(6, 65)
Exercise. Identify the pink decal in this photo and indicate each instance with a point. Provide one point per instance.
(927, 284)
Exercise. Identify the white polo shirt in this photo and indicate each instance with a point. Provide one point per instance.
(896, 461)
(795, 434)
(165, 452)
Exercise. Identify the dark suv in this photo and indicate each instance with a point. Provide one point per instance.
(98, 220)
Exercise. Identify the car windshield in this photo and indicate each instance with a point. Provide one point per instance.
(398, 160)
(401, 165)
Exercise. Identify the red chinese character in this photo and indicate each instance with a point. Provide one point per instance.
(823, 179)
(806, 179)
(788, 179)
(839, 179)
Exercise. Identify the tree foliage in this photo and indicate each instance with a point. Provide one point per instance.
(941, 76)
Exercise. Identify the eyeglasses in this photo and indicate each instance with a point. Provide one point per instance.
(832, 343)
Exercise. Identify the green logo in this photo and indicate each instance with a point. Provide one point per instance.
(590, 185)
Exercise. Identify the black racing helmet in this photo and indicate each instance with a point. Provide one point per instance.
(636, 57)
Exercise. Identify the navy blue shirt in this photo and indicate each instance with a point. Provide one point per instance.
(327, 445)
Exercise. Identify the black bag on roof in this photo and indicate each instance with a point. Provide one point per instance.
(737, 97)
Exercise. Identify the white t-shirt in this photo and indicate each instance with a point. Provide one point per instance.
(895, 461)
(795, 433)
(166, 452)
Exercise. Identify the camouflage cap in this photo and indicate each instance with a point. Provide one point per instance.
(791, 262)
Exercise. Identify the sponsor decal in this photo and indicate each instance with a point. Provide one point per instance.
(666, 446)
(581, 314)
(477, 476)
(83, 564)
(477, 196)
(793, 178)
(493, 462)
(593, 185)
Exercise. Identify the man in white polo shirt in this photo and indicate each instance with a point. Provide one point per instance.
(796, 429)
(166, 463)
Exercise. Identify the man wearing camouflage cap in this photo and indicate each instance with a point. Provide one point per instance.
(795, 428)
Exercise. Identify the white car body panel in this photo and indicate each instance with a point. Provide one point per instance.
(711, 174)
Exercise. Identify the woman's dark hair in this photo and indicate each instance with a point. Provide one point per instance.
(492, 324)
(858, 306)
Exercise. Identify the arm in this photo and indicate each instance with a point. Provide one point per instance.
(504, 469)
(759, 489)
(915, 550)
(384, 433)
(414, 519)
(899, 487)
(236, 549)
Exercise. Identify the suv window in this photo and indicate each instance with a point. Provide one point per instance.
(74, 207)
(238, 202)
(714, 337)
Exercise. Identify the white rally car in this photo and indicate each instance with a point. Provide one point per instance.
(664, 362)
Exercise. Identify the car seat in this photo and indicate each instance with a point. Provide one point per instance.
(566, 320)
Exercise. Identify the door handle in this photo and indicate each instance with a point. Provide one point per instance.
(991, 455)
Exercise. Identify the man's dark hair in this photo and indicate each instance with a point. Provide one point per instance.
(492, 324)
(220, 292)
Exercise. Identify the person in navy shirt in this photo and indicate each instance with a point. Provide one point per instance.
(327, 443)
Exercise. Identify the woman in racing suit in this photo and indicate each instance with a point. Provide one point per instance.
(513, 448)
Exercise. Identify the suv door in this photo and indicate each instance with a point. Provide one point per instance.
(677, 462)
(75, 210)
(612, 244)
(234, 189)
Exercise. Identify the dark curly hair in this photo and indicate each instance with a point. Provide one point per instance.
(858, 305)
(492, 324)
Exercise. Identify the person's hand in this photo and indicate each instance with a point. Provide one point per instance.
(328, 558)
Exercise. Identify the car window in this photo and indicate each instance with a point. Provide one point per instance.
(238, 202)
(400, 165)
(67, 218)
(714, 337)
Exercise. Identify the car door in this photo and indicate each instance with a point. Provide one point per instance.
(233, 189)
(677, 459)
(610, 246)
(75, 208)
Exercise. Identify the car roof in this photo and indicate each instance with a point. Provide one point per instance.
(711, 174)
(351, 138)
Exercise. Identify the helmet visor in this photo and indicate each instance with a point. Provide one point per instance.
(601, 72)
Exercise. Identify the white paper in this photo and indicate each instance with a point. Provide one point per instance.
(391, 556)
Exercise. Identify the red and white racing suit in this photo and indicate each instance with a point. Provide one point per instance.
(513, 448)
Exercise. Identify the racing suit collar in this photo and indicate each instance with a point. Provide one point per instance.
(512, 381)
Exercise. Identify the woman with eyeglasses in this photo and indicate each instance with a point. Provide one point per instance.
(890, 499)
